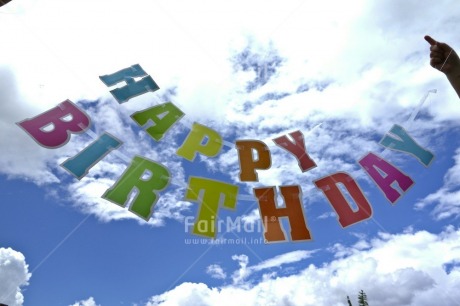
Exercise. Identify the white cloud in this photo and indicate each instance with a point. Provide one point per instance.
(355, 68)
(251, 218)
(245, 271)
(14, 275)
(408, 269)
(364, 96)
(216, 271)
(336, 64)
(326, 215)
(446, 200)
(16, 146)
(282, 259)
(23, 158)
(89, 302)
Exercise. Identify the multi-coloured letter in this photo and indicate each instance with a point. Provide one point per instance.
(201, 139)
(52, 129)
(405, 143)
(80, 164)
(271, 214)
(297, 148)
(346, 215)
(375, 165)
(248, 163)
(145, 177)
(132, 88)
(163, 116)
(211, 195)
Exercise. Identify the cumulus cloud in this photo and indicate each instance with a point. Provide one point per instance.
(294, 67)
(356, 86)
(14, 275)
(245, 271)
(89, 302)
(282, 259)
(446, 200)
(23, 158)
(327, 215)
(216, 271)
(407, 269)
(255, 79)
(16, 145)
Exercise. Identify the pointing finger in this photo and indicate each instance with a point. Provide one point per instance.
(430, 40)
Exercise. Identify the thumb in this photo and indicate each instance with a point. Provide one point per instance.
(430, 40)
(445, 47)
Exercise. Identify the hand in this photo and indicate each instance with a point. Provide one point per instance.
(443, 57)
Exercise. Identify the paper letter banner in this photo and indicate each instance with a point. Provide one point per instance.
(372, 163)
(144, 176)
(80, 164)
(133, 88)
(406, 144)
(142, 181)
(293, 210)
(208, 193)
(297, 148)
(341, 206)
(52, 129)
(248, 164)
(201, 139)
(163, 116)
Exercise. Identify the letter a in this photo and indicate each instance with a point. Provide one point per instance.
(164, 116)
(371, 163)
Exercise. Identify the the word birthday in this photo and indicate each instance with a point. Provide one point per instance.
(147, 178)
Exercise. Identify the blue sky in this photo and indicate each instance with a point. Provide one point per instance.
(342, 73)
